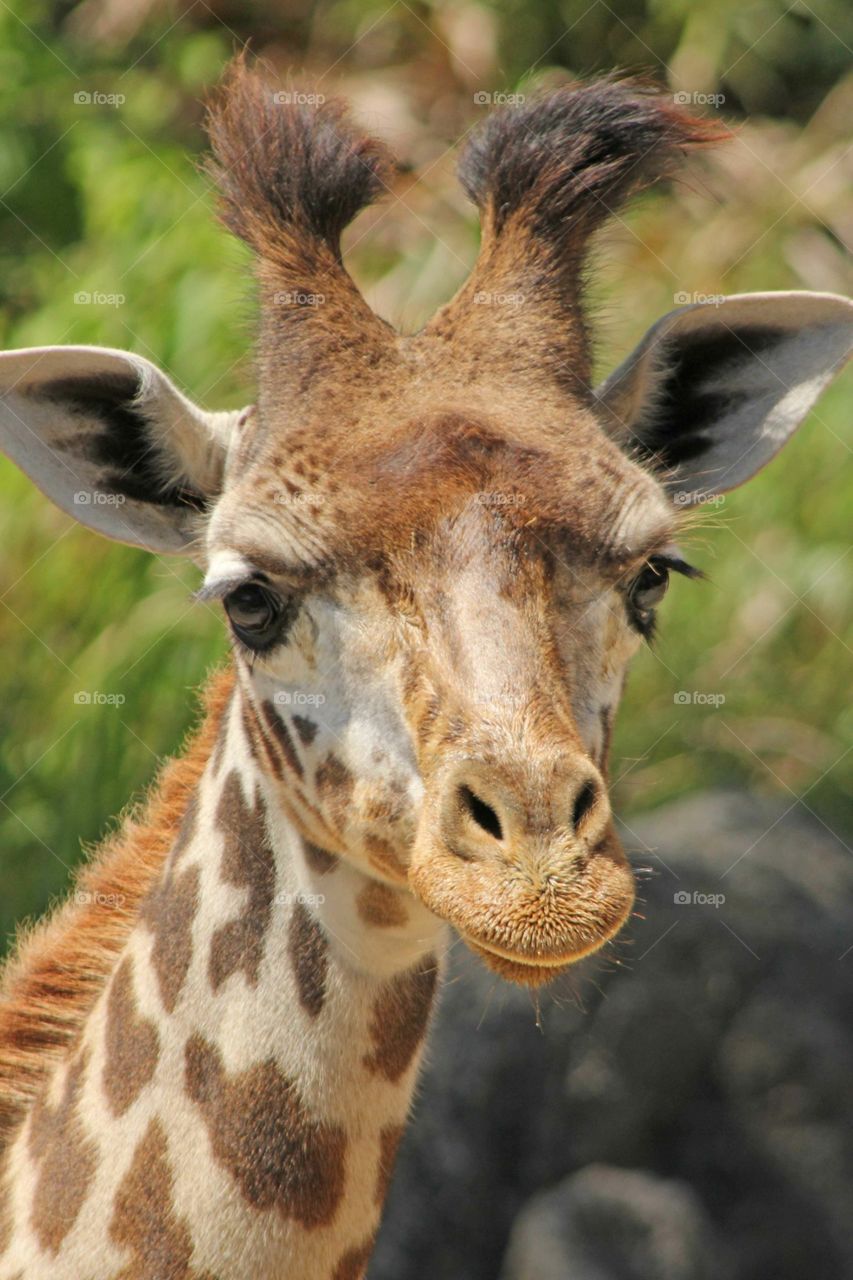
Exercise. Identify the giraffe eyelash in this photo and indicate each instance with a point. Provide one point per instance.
(647, 588)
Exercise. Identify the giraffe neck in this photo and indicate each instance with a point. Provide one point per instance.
(233, 1104)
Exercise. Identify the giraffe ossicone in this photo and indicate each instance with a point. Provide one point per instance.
(437, 553)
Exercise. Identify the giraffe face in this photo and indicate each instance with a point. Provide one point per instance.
(436, 691)
(439, 550)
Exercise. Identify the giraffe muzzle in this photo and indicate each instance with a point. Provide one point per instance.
(533, 877)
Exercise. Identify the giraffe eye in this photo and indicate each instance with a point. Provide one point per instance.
(256, 614)
(645, 594)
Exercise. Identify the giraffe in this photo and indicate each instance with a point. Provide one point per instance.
(436, 554)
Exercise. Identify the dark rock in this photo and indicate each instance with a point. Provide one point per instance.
(614, 1224)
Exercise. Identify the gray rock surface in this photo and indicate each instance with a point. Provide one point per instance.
(614, 1224)
(712, 1045)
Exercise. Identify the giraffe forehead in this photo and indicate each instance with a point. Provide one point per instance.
(346, 500)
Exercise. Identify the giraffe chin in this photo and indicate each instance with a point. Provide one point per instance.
(521, 972)
(529, 972)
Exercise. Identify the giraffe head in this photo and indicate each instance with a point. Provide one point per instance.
(437, 553)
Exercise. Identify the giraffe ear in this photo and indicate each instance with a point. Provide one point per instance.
(112, 441)
(714, 390)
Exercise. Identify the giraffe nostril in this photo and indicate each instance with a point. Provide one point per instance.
(584, 802)
(483, 814)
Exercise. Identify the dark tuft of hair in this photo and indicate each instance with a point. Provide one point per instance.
(566, 160)
(289, 167)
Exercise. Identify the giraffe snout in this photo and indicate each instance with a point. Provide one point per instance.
(485, 812)
(524, 862)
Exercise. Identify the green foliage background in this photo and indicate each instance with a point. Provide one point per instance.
(109, 199)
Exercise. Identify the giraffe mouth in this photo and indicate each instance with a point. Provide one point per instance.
(536, 971)
(531, 915)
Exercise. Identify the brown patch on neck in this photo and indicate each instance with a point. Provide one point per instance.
(353, 1264)
(278, 1153)
(132, 1043)
(67, 1160)
(309, 950)
(381, 906)
(389, 1140)
(144, 1220)
(248, 863)
(188, 825)
(52, 982)
(169, 911)
(320, 862)
(400, 1016)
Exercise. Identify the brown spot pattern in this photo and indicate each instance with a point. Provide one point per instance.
(306, 729)
(248, 863)
(389, 1140)
(380, 905)
(132, 1044)
(253, 734)
(187, 829)
(400, 1016)
(262, 1132)
(281, 736)
(318, 859)
(144, 1219)
(335, 786)
(308, 948)
(385, 858)
(169, 911)
(67, 1161)
(353, 1264)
